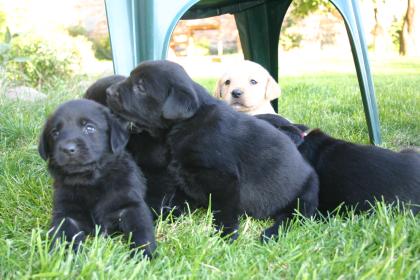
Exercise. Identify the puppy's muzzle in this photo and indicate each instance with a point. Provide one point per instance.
(69, 149)
(236, 93)
(69, 152)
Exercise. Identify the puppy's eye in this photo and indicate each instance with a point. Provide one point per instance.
(253, 82)
(89, 129)
(54, 133)
(139, 89)
(227, 82)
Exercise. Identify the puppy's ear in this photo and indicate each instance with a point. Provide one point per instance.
(43, 148)
(294, 133)
(181, 103)
(272, 89)
(118, 134)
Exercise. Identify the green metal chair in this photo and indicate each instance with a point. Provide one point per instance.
(141, 30)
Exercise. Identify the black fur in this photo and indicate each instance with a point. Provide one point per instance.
(294, 131)
(96, 91)
(95, 181)
(355, 175)
(245, 164)
(163, 195)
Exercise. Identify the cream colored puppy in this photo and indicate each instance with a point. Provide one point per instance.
(248, 88)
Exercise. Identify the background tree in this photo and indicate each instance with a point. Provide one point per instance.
(290, 37)
(409, 34)
(378, 30)
(302, 8)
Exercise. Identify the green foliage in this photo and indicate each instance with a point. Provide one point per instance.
(6, 55)
(101, 45)
(42, 64)
(302, 8)
(34, 59)
(203, 46)
(395, 32)
(291, 38)
(57, 57)
(2, 20)
(5, 44)
(77, 30)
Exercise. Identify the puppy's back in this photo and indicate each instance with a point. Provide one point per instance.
(276, 165)
(271, 170)
(355, 174)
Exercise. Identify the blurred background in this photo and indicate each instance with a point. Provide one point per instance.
(49, 39)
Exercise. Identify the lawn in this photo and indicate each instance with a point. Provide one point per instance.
(382, 245)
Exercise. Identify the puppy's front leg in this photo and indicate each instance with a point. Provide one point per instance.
(281, 219)
(225, 201)
(178, 203)
(137, 221)
(70, 224)
(306, 203)
(225, 207)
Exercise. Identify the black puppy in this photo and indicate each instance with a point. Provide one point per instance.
(244, 163)
(163, 195)
(95, 181)
(96, 91)
(296, 132)
(355, 175)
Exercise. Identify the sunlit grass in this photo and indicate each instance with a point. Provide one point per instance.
(382, 245)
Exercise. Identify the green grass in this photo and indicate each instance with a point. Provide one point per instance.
(383, 245)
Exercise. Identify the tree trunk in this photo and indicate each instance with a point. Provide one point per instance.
(408, 40)
(377, 29)
(381, 39)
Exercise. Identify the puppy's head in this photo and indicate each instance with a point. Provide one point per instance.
(97, 90)
(156, 94)
(246, 86)
(79, 135)
(97, 93)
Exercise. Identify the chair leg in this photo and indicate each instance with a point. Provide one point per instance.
(349, 9)
(141, 29)
(259, 32)
(119, 16)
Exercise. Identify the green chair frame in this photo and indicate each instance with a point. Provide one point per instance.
(141, 30)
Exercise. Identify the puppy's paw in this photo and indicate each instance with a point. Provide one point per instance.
(232, 236)
(59, 236)
(146, 248)
(78, 240)
(271, 233)
(228, 233)
(170, 213)
(147, 253)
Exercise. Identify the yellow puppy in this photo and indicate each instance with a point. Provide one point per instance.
(248, 88)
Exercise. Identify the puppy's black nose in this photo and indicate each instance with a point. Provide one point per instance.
(236, 93)
(69, 148)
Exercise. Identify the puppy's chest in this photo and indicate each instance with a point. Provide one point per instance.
(92, 197)
(98, 208)
(89, 197)
(155, 157)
